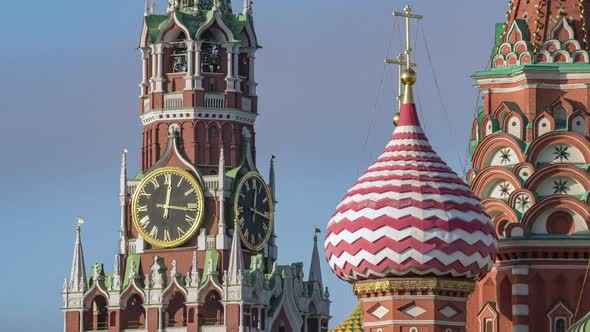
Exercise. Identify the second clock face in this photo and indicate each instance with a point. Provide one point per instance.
(168, 207)
(253, 208)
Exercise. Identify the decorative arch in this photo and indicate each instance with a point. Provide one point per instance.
(525, 58)
(176, 310)
(561, 56)
(134, 312)
(524, 171)
(489, 178)
(171, 29)
(213, 310)
(571, 45)
(521, 200)
(498, 61)
(216, 21)
(493, 143)
(578, 123)
(543, 56)
(499, 211)
(562, 31)
(555, 138)
(96, 315)
(514, 33)
(505, 49)
(543, 124)
(573, 172)
(475, 130)
(521, 47)
(537, 217)
(487, 126)
(580, 56)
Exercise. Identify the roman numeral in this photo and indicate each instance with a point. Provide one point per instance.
(168, 178)
(155, 183)
(154, 232)
(240, 209)
(254, 185)
(192, 190)
(260, 238)
(193, 206)
(252, 240)
(265, 227)
(181, 232)
(247, 184)
(142, 208)
(190, 219)
(180, 182)
(242, 222)
(265, 200)
(167, 236)
(144, 221)
(143, 193)
(246, 233)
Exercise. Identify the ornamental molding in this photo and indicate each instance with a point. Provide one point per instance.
(413, 284)
(199, 114)
(536, 86)
(530, 75)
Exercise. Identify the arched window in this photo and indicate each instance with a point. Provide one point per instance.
(560, 116)
(134, 313)
(489, 325)
(178, 55)
(560, 325)
(213, 309)
(210, 54)
(177, 311)
(414, 329)
(98, 317)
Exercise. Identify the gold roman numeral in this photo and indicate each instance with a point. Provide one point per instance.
(180, 182)
(154, 232)
(142, 208)
(246, 234)
(192, 190)
(265, 227)
(144, 221)
(242, 222)
(247, 184)
(143, 193)
(155, 183)
(167, 236)
(265, 200)
(168, 178)
(252, 240)
(181, 232)
(190, 219)
(193, 206)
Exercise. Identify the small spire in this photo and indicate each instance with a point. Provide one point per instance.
(315, 272)
(221, 169)
(236, 260)
(147, 8)
(153, 7)
(123, 203)
(78, 272)
(271, 178)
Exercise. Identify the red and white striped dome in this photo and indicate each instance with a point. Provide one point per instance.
(410, 215)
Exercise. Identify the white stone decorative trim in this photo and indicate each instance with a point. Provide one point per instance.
(521, 271)
(200, 114)
(414, 322)
(521, 76)
(414, 297)
(520, 289)
(520, 309)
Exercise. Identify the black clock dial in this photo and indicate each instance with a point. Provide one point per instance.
(168, 207)
(254, 211)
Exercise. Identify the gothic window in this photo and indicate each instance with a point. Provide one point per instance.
(489, 325)
(560, 325)
(560, 116)
(179, 55)
(212, 309)
(135, 313)
(97, 318)
(177, 315)
(210, 54)
(414, 329)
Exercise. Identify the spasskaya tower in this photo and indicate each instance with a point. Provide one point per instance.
(197, 249)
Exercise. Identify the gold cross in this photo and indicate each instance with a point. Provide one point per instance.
(400, 63)
(408, 15)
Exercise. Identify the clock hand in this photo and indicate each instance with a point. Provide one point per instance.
(167, 204)
(172, 207)
(264, 215)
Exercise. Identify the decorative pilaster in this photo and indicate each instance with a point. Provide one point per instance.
(198, 76)
(123, 204)
(158, 58)
(145, 55)
(520, 297)
(220, 240)
(251, 72)
(231, 75)
(190, 72)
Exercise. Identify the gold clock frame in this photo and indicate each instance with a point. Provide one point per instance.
(237, 228)
(200, 215)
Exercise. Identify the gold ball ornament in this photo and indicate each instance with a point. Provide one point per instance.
(396, 119)
(409, 77)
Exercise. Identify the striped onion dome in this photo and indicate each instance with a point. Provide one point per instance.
(410, 215)
(583, 325)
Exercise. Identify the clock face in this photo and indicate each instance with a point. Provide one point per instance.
(168, 207)
(253, 208)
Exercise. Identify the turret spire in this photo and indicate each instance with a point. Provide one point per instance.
(78, 273)
(123, 203)
(236, 260)
(271, 179)
(147, 8)
(315, 272)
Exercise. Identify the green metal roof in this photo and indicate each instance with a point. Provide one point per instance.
(583, 325)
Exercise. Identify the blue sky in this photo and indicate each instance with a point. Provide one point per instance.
(69, 106)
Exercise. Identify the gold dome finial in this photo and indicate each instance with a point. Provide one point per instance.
(396, 118)
(409, 77)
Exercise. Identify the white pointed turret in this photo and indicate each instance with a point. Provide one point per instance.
(116, 278)
(236, 261)
(78, 273)
(220, 240)
(246, 7)
(315, 272)
(147, 8)
(123, 204)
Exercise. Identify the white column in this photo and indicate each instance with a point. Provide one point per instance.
(159, 68)
(145, 55)
(259, 318)
(231, 78)
(82, 320)
(154, 67)
(198, 76)
(252, 78)
(190, 71)
(237, 84)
